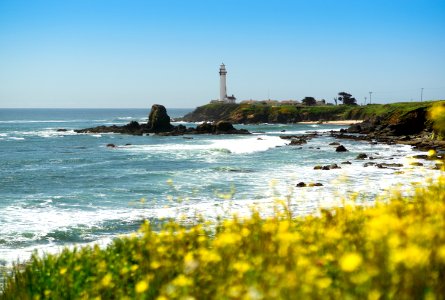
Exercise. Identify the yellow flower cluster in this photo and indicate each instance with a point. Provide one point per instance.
(437, 116)
(393, 250)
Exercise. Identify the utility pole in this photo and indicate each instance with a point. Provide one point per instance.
(370, 95)
(365, 100)
(421, 94)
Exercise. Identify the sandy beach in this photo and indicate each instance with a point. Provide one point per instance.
(340, 122)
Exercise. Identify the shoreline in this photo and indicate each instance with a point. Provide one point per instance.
(339, 122)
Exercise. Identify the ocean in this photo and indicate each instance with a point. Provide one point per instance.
(59, 188)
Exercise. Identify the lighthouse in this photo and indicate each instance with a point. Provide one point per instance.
(223, 87)
(222, 83)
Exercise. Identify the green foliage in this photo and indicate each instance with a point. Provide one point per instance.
(263, 112)
(211, 112)
(382, 110)
(309, 101)
(393, 250)
(347, 98)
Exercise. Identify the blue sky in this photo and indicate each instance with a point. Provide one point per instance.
(110, 53)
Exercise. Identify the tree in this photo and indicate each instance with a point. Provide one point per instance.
(347, 99)
(309, 101)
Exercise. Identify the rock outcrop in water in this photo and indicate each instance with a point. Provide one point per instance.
(158, 120)
(159, 123)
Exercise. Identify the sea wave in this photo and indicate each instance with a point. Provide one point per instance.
(38, 121)
(227, 145)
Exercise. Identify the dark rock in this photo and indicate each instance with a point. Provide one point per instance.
(361, 156)
(334, 144)
(187, 137)
(301, 184)
(418, 164)
(158, 119)
(127, 144)
(438, 166)
(111, 145)
(368, 164)
(159, 123)
(341, 148)
(224, 126)
(61, 130)
(260, 139)
(421, 156)
(296, 142)
(204, 128)
(346, 163)
(315, 184)
(385, 165)
(354, 128)
(327, 167)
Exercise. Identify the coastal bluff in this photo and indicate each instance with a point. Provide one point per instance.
(159, 123)
(260, 112)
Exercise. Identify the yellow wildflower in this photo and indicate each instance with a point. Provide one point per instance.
(134, 268)
(441, 253)
(227, 239)
(431, 152)
(323, 283)
(63, 271)
(350, 262)
(141, 286)
(106, 280)
(241, 267)
(182, 281)
(155, 264)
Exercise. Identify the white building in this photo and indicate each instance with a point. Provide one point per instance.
(223, 87)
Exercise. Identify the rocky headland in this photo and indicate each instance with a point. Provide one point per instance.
(409, 127)
(159, 123)
(404, 123)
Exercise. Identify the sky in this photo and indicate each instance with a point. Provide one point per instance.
(132, 54)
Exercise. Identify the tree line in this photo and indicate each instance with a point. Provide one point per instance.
(343, 97)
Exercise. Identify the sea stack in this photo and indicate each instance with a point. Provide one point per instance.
(159, 120)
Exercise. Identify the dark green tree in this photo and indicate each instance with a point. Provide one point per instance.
(346, 98)
(309, 101)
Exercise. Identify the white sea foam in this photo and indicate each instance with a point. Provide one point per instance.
(235, 146)
(38, 121)
(46, 133)
(249, 145)
(16, 138)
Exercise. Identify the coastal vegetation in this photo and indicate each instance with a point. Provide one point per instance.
(262, 112)
(392, 249)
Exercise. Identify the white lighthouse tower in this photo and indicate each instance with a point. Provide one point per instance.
(222, 83)
(223, 87)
